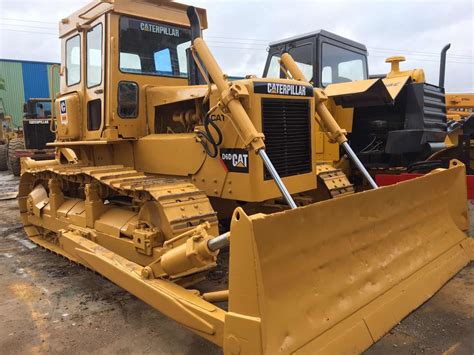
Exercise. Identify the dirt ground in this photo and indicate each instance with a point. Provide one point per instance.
(49, 305)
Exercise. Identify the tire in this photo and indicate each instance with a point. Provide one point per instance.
(3, 157)
(13, 161)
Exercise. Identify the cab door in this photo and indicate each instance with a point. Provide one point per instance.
(95, 79)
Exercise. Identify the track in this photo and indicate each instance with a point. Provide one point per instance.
(183, 204)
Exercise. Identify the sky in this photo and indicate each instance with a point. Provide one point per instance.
(239, 31)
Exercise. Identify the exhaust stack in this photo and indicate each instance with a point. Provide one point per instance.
(442, 66)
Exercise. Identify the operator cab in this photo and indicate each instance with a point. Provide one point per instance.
(112, 52)
(325, 58)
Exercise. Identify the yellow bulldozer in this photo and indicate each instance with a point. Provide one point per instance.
(10, 139)
(394, 121)
(459, 142)
(162, 163)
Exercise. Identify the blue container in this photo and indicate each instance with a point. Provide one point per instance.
(24, 80)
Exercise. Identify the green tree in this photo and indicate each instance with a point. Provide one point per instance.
(2, 83)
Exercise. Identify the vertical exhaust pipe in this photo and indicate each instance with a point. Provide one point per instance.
(195, 23)
(194, 76)
(442, 66)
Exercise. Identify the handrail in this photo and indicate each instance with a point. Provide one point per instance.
(53, 97)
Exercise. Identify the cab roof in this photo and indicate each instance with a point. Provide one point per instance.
(324, 33)
(165, 11)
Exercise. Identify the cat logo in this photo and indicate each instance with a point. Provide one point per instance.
(38, 122)
(283, 89)
(159, 29)
(217, 118)
(235, 160)
(63, 107)
(63, 112)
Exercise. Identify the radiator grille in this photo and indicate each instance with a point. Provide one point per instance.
(37, 133)
(287, 129)
(434, 108)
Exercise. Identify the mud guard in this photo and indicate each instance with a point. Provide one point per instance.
(334, 277)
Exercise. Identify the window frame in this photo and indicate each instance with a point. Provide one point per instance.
(325, 40)
(151, 21)
(169, 57)
(304, 43)
(89, 107)
(80, 60)
(269, 66)
(118, 100)
(101, 56)
(279, 49)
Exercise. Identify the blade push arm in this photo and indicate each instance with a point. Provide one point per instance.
(326, 119)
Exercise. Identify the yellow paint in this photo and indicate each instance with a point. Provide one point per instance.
(346, 284)
(459, 107)
(138, 200)
(417, 75)
(395, 84)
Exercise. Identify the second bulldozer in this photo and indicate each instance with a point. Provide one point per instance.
(162, 164)
(459, 142)
(9, 137)
(394, 121)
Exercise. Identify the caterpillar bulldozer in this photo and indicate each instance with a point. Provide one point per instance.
(5, 134)
(36, 134)
(10, 136)
(459, 143)
(460, 108)
(165, 170)
(395, 122)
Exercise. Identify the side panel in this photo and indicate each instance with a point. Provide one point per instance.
(14, 95)
(35, 78)
(169, 154)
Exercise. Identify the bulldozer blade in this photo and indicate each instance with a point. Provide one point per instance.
(335, 276)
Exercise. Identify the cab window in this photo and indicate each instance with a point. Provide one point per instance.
(73, 60)
(302, 55)
(153, 48)
(128, 99)
(94, 56)
(341, 65)
(274, 68)
(163, 64)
